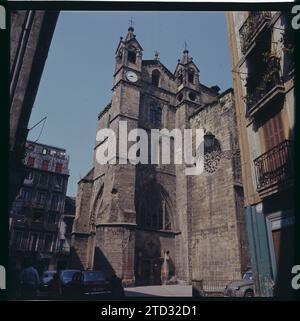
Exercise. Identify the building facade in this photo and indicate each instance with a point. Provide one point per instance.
(38, 211)
(261, 46)
(30, 38)
(66, 226)
(153, 224)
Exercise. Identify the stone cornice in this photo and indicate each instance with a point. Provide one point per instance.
(125, 82)
(117, 224)
(187, 102)
(81, 234)
(154, 62)
(144, 93)
(159, 88)
(106, 108)
(127, 68)
(186, 88)
(136, 227)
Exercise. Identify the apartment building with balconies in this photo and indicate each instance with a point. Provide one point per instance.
(31, 33)
(37, 212)
(262, 54)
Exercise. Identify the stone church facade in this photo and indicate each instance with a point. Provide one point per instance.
(152, 223)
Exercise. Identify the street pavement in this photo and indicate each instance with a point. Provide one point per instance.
(150, 291)
(175, 290)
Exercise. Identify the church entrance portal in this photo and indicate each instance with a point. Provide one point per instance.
(151, 271)
(149, 262)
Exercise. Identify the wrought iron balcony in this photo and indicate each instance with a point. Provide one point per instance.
(18, 221)
(263, 88)
(289, 60)
(37, 224)
(274, 169)
(51, 226)
(38, 204)
(288, 40)
(251, 28)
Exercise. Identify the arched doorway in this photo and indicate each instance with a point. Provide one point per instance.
(149, 262)
(155, 222)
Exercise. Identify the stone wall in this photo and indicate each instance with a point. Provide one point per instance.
(114, 252)
(217, 242)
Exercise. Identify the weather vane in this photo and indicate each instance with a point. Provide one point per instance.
(131, 22)
(185, 45)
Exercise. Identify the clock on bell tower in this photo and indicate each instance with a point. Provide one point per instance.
(128, 59)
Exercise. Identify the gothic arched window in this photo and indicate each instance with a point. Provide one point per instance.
(131, 56)
(155, 219)
(191, 75)
(165, 222)
(152, 208)
(120, 55)
(155, 77)
(155, 114)
(180, 77)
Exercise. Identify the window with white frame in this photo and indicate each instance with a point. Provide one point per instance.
(33, 241)
(48, 245)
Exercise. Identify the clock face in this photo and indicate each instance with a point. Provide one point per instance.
(131, 76)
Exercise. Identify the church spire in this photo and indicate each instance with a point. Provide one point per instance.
(187, 75)
(129, 51)
(186, 57)
(130, 34)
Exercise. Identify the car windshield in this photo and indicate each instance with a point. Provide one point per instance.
(248, 275)
(67, 275)
(93, 276)
(48, 274)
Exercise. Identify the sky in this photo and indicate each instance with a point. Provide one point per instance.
(78, 75)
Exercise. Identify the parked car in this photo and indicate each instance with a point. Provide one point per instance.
(90, 284)
(242, 288)
(66, 276)
(47, 277)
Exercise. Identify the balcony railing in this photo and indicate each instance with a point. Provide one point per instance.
(37, 224)
(19, 220)
(51, 226)
(289, 60)
(28, 181)
(251, 28)
(269, 83)
(37, 204)
(275, 167)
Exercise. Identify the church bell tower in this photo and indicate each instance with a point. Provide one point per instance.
(112, 212)
(187, 101)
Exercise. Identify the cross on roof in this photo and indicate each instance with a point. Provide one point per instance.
(131, 22)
